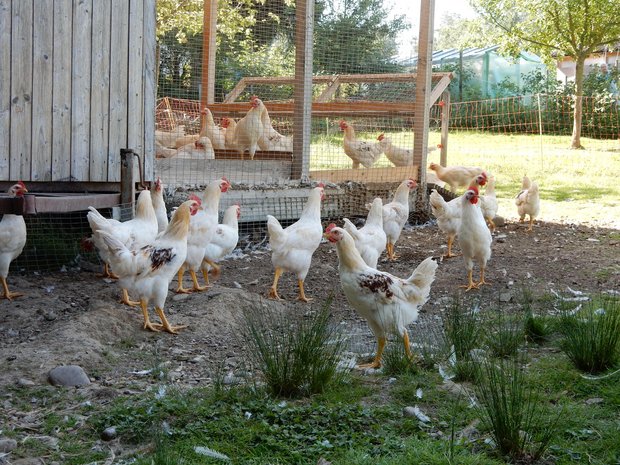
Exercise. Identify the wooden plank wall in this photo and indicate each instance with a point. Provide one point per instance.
(76, 85)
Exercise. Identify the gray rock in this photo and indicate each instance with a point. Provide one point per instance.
(109, 433)
(179, 297)
(68, 375)
(499, 221)
(25, 382)
(505, 296)
(7, 445)
(595, 400)
(27, 462)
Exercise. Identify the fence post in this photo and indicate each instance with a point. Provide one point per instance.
(302, 105)
(127, 183)
(445, 125)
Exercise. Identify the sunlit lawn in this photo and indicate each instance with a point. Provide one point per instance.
(575, 185)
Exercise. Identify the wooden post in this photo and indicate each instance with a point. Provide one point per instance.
(209, 29)
(302, 113)
(127, 183)
(422, 94)
(445, 124)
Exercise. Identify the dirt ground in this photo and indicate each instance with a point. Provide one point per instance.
(75, 317)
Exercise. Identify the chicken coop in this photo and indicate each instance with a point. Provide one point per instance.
(76, 88)
(99, 98)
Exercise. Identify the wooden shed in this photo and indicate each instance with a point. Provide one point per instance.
(76, 86)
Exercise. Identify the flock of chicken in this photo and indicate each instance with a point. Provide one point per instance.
(252, 132)
(146, 252)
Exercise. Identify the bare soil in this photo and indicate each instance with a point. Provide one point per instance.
(75, 317)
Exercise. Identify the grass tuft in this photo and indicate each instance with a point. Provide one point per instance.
(520, 424)
(591, 336)
(463, 331)
(395, 360)
(297, 356)
(504, 336)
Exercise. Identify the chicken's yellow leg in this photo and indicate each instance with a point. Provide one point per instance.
(273, 291)
(8, 294)
(165, 324)
(406, 344)
(376, 363)
(205, 274)
(147, 323)
(215, 268)
(390, 251)
(482, 281)
(127, 301)
(531, 223)
(491, 225)
(197, 287)
(180, 288)
(107, 273)
(470, 284)
(302, 294)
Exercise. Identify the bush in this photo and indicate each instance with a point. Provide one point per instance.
(591, 336)
(520, 425)
(297, 356)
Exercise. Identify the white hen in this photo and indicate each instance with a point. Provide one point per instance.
(147, 272)
(488, 204)
(360, 151)
(223, 242)
(396, 214)
(12, 240)
(209, 129)
(229, 125)
(250, 129)
(528, 201)
(157, 197)
(202, 228)
(369, 240)
(133, 234)
(399, 156)
(387, 302)
(272, 140)
(292, 247)
(474, 237)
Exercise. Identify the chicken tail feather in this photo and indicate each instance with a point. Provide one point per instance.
(423, 276)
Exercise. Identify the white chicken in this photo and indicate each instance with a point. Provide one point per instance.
(133, 234)
(528, 201)
(202, 228)
(360, 151)
(229, 125)
(161, 151)
(369, 240)
(488, 204)
(397, 155)
(249, 129)
(455, 176)
(147, 272)
(157, 198)
(169, 138)
(12, 240)
(292, 247)
(272, 140)
(223, 243)
(387, 302)
(448, 214)
(396, 214)
(474, 237)
(216, 134)
(201, 149)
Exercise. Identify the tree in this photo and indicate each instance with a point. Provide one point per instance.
(454, 31)
(573, 28)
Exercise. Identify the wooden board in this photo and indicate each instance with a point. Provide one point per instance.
(61, 99)
(259, 155)
(186, 172)
(5, 87)
(366, 175)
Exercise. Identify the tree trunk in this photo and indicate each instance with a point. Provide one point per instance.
(578, 112)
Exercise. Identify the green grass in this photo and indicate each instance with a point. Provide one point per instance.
(569, 180)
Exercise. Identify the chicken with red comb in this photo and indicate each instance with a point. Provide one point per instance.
(12, 240)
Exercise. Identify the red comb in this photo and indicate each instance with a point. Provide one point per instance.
(195, 198)
(330, 227)
(320, 185)
(473, 188)
(224, 179)
(21, 184)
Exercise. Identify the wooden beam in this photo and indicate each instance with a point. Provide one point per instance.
(445, 124)
(330, 90)
(302, 92)
(423, 92)
(443, 83)
(209, 29)
(319, 108)
(370, 175)
(236, 92)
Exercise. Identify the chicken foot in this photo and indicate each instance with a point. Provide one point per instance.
(205, 271)
(302, 294)
(197, 287)
(470, 285)
(147, 322)
(127, 301)
(449, 254)
(390, 251)
(482, 281)
(107, 273)
(180, 288)
(376, 363)
(8, 295)
(531, 224)
(273, 290)
(165, 324)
